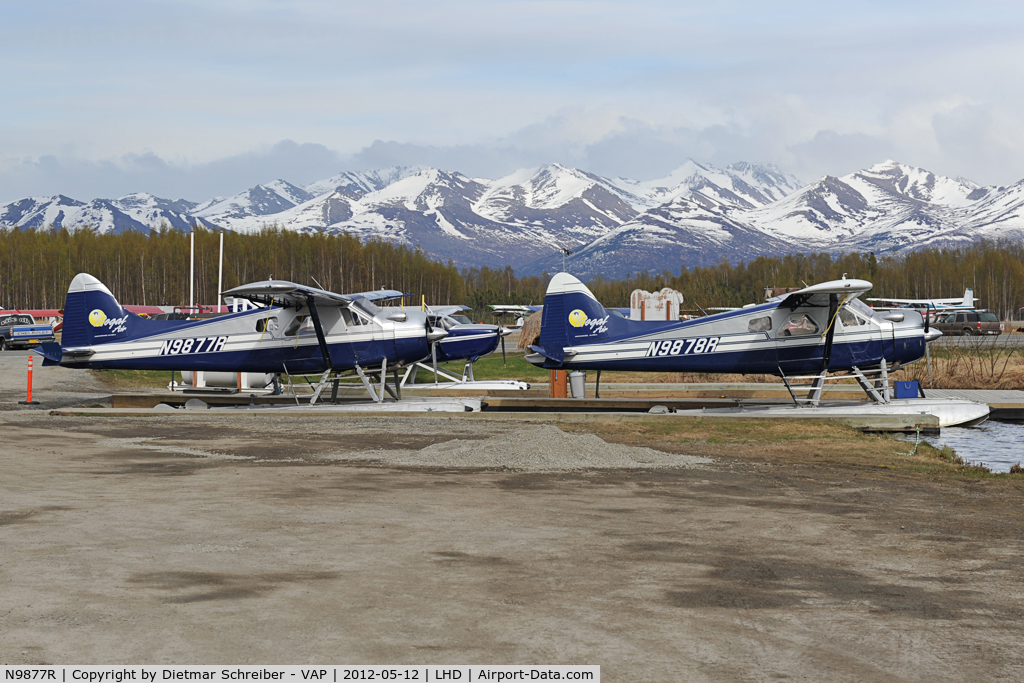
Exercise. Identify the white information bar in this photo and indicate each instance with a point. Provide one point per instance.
(332, 673)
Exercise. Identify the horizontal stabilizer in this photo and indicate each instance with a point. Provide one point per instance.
(50, 351)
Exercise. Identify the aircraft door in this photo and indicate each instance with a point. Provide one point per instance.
(799, 342)
(361, 334)
(856, 339)
(888, 333)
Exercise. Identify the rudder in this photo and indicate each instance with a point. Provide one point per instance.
(92, 315)
(572, 315)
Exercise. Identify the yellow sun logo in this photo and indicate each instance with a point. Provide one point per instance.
(97, 318)
(577, 318)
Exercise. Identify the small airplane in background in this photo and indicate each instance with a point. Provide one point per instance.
(516, 311)
(466, 341)
(967, 301)
(298, 329)
(805, 334)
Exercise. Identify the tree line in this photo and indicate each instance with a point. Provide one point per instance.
(37, 265)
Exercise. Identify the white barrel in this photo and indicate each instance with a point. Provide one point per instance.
(250, 380)
(578, 384)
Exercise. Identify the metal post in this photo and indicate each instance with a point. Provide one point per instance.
(220, 272)
(928, 356)
(192, 271)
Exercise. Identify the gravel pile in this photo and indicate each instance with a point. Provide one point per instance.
(536, 448)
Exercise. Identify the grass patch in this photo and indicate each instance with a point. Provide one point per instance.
(124, 379)
(969, 363)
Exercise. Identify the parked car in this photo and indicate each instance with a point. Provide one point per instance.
(968, 323)
(20, 331)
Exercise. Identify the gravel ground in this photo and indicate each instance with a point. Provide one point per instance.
(217, 540)
(53, 387)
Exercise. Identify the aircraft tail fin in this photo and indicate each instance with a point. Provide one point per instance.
(93, 316)
(969, 297)
(572, 315)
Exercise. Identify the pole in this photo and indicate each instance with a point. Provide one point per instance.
(28, 400)
(220, 272)
(928, 355)
(192, 271)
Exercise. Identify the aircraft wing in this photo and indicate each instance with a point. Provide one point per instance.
(449, 310)
(900, 301)
(291, 295)
(513, 309)
(818, 295)
(376, 295)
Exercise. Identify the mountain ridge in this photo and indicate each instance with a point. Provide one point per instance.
(698, 214)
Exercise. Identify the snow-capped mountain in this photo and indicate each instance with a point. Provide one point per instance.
(148, 210)
(870, 202)
(355, 184)
(696, 219)
(137, 212)
(696, 215)
(738, 186)
(263, 200)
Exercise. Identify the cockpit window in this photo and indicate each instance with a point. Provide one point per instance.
(267, 324)
(367, 307)
(850, 319)
(300, 325)
(860, 307)
(352, 317)
(797, 325)
(762, 324)
(461, 319)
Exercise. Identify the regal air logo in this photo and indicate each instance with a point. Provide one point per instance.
(577, 318)
(594, 326)
(97, 318)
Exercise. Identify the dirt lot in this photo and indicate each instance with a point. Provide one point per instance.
(184, 539)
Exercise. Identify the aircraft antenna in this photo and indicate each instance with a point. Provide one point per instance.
(315, 282)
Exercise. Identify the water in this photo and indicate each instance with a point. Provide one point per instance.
(995, 445)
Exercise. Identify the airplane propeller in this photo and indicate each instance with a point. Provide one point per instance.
(434, 335)
(502, 333)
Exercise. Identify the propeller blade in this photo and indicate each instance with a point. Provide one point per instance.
(503, 360)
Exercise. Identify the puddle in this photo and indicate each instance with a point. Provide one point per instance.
(996, 445)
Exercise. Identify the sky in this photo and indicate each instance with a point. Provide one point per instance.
(200, 99)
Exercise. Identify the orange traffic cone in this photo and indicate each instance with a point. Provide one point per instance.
(28, 401)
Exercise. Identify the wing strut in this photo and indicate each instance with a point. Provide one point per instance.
(830, 331)
(315, 315)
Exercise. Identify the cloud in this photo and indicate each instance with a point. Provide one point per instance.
(829, 150)
(148, 172)
(974, 141)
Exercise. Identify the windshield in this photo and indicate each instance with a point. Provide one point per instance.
(461, 319)
(861, 307)
(368, 307)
